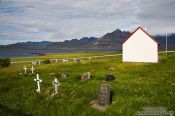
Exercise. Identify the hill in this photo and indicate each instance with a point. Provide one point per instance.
(84, 42)
(111, 40)
(29, 43)
(170, 41)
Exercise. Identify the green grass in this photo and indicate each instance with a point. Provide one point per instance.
(136, 85)
(62, 55)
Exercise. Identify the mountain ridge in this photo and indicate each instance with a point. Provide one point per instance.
(111, 40)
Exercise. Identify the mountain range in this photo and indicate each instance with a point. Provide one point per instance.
(111, 40)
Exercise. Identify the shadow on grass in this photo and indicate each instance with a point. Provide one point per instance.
(111, 95)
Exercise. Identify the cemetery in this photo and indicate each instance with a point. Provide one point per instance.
(106, 86)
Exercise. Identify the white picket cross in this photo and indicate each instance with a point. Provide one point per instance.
(25, 69)
(32, 69)
(38, 82)
(33, 62)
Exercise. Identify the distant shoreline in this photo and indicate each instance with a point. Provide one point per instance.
(40, 52)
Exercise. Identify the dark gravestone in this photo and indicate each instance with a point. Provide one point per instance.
(110, 77)
(104, 95)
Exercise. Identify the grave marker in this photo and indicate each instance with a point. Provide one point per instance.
(39, 62)
(111, 68)
(104, 95)
(32, 69)
(65, 60)
(110, 77)
(86, 76)
(78, 61)
(64, 75)
(34, 62)
(56, 85)
(38, 82)
(25, 69)
(56, 60)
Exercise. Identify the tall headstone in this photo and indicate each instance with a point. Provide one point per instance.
(38, 82)
(25, 70)
(56, 85)
(104, 95)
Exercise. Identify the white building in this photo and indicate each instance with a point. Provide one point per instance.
(140, 47)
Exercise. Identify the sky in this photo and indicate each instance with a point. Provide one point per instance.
(59, 20)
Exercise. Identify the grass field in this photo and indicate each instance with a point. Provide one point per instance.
(136, 85)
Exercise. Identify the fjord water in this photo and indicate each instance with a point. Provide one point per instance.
(20, 53)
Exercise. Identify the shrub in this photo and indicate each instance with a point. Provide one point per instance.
(41, 54)
(46, 62)
(4, 62)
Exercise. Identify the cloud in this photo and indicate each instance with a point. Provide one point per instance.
(157, 15)
(58, 20)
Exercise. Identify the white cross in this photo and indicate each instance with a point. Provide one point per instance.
(56, 84)
(33, 62)
(38, 82)
(25, 69)
(32, 69)
(39, 62)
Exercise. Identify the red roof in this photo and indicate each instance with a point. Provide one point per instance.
(145, 33)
